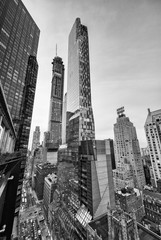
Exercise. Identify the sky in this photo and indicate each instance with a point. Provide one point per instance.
(125, 57)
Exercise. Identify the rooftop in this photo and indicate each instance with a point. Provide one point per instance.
(51, 177)
(152, 194)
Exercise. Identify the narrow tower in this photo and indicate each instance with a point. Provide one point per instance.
(80, 121)
(27, 105)
(56, 102)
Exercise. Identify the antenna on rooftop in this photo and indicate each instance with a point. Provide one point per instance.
(120, 111)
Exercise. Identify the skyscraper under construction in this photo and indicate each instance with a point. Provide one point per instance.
(56, 102)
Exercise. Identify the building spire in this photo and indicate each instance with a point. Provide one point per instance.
(56, 49)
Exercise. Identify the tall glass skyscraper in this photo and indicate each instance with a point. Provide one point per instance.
(19, 36)
(27, 105)
(80, 121)
(85, 183)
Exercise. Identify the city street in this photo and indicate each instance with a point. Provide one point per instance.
(32, 221)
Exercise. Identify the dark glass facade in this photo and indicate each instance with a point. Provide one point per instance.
(27, 105)
(56, 102)
(19, 36)
(79, 126)
(95, 180)
(80, 121)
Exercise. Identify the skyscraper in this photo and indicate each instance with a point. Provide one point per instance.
(79, 115)
(85, 183)
(64, 118)
(42, 170)
(27, 105)
(80, 121)
(96, 188)
(19, 36)
(127, 151)
(49, 188)
(153, 135)
(36, 139)
(56, 103)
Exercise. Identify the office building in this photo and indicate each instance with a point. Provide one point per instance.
(50, 182)
(152, 205)
(85, 184)
(42, 170)
(110, 147)
(153, 135)
(53, 138)
(96, 188)
(80, 121)
(147, 166)
(79, 126)
(27, 105)
(123, 176)
(35, 139)
(37, 158)
(64, 118)
(127, 150)
(19, 36)
(79, 116)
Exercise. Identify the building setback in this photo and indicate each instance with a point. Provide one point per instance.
(127, 152)
(153, 136)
